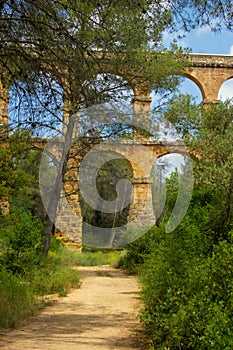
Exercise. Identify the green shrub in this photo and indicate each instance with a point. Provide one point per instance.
(139, 250)
(55, 273)
(188, 294)
(20, 241)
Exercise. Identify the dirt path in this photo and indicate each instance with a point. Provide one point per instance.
(101, 315)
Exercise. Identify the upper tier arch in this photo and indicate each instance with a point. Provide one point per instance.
(209, 72)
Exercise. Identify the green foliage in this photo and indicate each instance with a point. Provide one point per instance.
(208, 133)
(138, 250)
(17, 299)
(52, 278)
(184, 114)
(20, 241)
(186, 275)
(19, 172)
(11, 154)
(88, 257)
(60, 34)
(25, 273)
(188, 295)
(180, 283)
(55, 273)
(214, 168)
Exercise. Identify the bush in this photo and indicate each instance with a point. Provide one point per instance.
(55, 273)
(138, 250)
(20, 241)
(188, 294)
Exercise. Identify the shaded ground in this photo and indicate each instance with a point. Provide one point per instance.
(101, 315)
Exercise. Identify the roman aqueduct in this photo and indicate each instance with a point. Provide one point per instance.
(208, 72)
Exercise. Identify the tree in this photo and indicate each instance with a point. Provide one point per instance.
(55, 51)
(49, 39)
(58, 39)
(19, 171)
(12, 153)
(208, 133)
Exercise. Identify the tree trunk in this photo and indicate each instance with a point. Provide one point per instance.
(55, 196)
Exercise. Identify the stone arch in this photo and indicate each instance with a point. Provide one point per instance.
(115, 167)
(209, 72)
(140, 160)
(197, 83)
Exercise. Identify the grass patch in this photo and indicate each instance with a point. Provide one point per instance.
(88, 257)
(17, 300)
(56, 279)
(21, 294)
(96, 258)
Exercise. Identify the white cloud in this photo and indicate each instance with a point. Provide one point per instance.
(169, 37)
(231, 50)
(226, 90)
(202, 31)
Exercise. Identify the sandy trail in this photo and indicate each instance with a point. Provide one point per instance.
(101, 315)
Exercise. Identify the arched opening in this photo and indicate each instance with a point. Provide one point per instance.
(166, 172)
(161, 100)
(188, 86)
(226, 90)
(99, 223)
(37, 106)
(185, 85)
(106, 109)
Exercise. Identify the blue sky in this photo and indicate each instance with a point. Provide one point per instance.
(203, 40)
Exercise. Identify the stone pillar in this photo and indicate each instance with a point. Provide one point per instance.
(141, 115)
(4, 206)
(66, 115)
(4, 99)
(69, 217)
(212, 80)
(141, 208)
